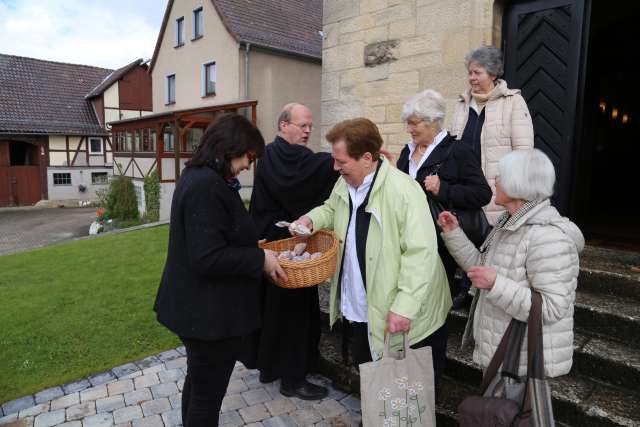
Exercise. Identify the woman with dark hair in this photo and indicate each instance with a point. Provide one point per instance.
(210, 292)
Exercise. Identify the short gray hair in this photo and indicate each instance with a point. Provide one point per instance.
(490, 57)
(527, 175)
(427, 105)
(285, 114)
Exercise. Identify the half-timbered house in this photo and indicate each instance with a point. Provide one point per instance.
(53, 141)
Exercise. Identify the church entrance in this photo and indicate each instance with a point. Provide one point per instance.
(573, 61)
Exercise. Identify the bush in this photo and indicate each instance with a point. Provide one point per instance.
(122, 203)
(152, 196)
(102, 195)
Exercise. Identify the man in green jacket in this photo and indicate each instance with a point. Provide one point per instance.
(390, 275)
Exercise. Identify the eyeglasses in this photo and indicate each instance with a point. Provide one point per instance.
(413, 124)
(303, 126)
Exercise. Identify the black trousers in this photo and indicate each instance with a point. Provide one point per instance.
(290, 334)
(359, 347)
(209, 367)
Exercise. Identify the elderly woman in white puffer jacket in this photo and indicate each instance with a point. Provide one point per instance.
(531, 247)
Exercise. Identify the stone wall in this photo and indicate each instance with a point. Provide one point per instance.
(378, 53)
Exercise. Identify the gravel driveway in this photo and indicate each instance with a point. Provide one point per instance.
(28, 228)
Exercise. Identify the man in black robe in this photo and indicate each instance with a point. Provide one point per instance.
(290, 180)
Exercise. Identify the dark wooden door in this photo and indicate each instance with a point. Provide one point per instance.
(5, 187)
(20, 185)
(542, 45)
(25, 181)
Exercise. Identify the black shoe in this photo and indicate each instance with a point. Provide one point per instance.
(305, 391)
(462, 300)
(266, 378)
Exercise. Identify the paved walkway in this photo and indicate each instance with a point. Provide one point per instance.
(147, 393)
(27, 228)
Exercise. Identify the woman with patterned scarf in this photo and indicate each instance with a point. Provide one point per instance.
(531, 247)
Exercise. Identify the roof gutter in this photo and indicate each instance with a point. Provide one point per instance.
(247, 46)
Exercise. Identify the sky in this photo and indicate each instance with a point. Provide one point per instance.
(103, 33)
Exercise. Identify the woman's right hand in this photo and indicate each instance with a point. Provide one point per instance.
(447, 221)
(304, 221)
(272, 266)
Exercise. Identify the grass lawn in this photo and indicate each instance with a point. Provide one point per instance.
(78, 308)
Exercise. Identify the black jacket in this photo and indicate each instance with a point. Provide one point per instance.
(290, 181)
(210, 287)
(462, 183)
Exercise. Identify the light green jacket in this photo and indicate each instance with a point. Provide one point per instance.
(403, 269)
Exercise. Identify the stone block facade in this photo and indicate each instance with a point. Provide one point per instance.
(379, 53)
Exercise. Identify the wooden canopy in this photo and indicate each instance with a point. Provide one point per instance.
(145, 136)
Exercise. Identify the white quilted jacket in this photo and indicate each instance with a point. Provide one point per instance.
(539, 251)
(507, 127)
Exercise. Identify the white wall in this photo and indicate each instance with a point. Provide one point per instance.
(186, 61)
(79, 176)
(166, 194)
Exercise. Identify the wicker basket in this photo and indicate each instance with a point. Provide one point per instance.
(303, 274)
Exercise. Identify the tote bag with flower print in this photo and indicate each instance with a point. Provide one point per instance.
(398, 391)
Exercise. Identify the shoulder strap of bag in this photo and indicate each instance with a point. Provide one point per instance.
(535, 348)
(497, 359)
(535, 354)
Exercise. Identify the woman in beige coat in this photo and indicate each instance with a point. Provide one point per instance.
(531, 247)
(491, 118)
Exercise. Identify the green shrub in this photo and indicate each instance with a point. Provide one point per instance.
(152, 196)
(122, 203)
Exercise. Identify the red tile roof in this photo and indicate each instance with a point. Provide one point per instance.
(288, 25)
(46, 97)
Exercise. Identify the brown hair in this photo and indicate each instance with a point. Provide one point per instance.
(360, 135)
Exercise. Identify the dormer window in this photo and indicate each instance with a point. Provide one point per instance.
(198, 23)
(180, 31)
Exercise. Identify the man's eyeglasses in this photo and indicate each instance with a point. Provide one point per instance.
(303, 126)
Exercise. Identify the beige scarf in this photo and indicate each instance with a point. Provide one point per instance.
(482, 98)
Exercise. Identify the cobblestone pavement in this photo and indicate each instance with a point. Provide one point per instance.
(28, 228)
(147, 393)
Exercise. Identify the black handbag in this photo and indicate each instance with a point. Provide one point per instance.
(473, 222)
(533, 405)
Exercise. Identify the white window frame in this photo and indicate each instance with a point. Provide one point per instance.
(167, 88)
(203, 79)
(106, 182)
(194, 16)
(53, 178)
(179, 31)
(101, 145)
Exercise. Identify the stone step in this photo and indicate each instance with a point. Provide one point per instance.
(608, 316)
(610, 271)
(577, 400)
(609, 282)
(596, 314)
(595, 356)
